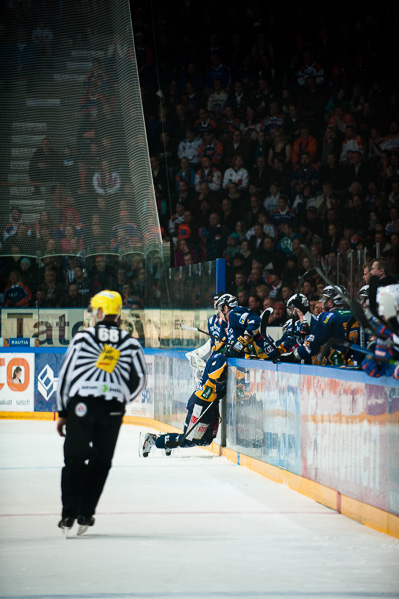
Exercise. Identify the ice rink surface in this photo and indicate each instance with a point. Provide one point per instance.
(187, 526)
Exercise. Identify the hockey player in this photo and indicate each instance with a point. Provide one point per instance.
(335, 322)
(211, 389)
(388, 311)
(103, 369)
(298, 327)
(217, 331)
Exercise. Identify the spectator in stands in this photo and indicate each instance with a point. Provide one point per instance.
(106, 181)
(282, 214)
(382, 269)
(204, 123)
(211, 147)
(182, 121)
(279, 315)
(216, 237)
(306, 143)
(217, 99)
(251, 125)
(189, 148)
(237, 146)
(352, 143)
(54, 291)
(182, 249)
(330, 144)
(310, 68)
(217, 71)
(292, 123)
(255, 303)
(271, 201)
(333, 172)
(209, 174)
(239, 99)
(272, 258)
(305, 172)
(273, 122)
(44, 165)
(16, 294)
(74, 298)
(71, 243)
(101, 276)
(236, 174)
(280, 148)
(259, 175)
(185, 195)
(16, 221)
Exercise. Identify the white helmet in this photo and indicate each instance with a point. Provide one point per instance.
(300, 301)
(335, 293)
(388, 305)
(227, 300)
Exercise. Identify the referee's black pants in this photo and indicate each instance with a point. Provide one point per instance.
(92, 431)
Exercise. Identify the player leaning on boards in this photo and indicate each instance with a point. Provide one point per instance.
(103, 369)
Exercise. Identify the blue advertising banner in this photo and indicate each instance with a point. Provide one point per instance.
(47, 367)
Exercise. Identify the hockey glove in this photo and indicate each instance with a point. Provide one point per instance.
(238, 348)
(384, 331)
(291, 357)
(370, 367)
(304, 329)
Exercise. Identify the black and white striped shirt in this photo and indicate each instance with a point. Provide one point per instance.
(102, 361)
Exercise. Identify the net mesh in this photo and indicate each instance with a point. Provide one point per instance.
(74, 165)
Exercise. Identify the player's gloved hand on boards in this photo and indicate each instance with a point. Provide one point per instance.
(304, 329)
(286, 345)
(384, 331)
(290, 357)
(384, 352)
(370, 367)
(239, 346)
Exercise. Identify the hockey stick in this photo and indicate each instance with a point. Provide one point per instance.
(361, 350)
(264, 320)
(174, 444)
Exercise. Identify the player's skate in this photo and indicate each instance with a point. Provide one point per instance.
(84, 523)
(168, 451)
(148, 444)
(66, 525)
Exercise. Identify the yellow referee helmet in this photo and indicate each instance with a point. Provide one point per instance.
(109, 301)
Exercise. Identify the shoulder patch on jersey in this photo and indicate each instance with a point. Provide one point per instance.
(243, 317)
(108, 358)
(327, 318)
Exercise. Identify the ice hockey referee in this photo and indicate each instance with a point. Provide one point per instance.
(103, 369)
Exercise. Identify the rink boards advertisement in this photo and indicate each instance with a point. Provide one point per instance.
(337, 428)
(341, 432)
(29, 381)
(55, 327)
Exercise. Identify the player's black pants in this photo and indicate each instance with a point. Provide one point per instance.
(91, 434)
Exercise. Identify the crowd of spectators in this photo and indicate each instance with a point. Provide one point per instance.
(265, 131)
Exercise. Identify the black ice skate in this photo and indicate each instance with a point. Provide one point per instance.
(66, 525)
(84, 523)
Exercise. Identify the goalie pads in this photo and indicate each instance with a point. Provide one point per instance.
(198, 357)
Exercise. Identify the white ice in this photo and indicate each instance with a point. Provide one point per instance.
(188, 526)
